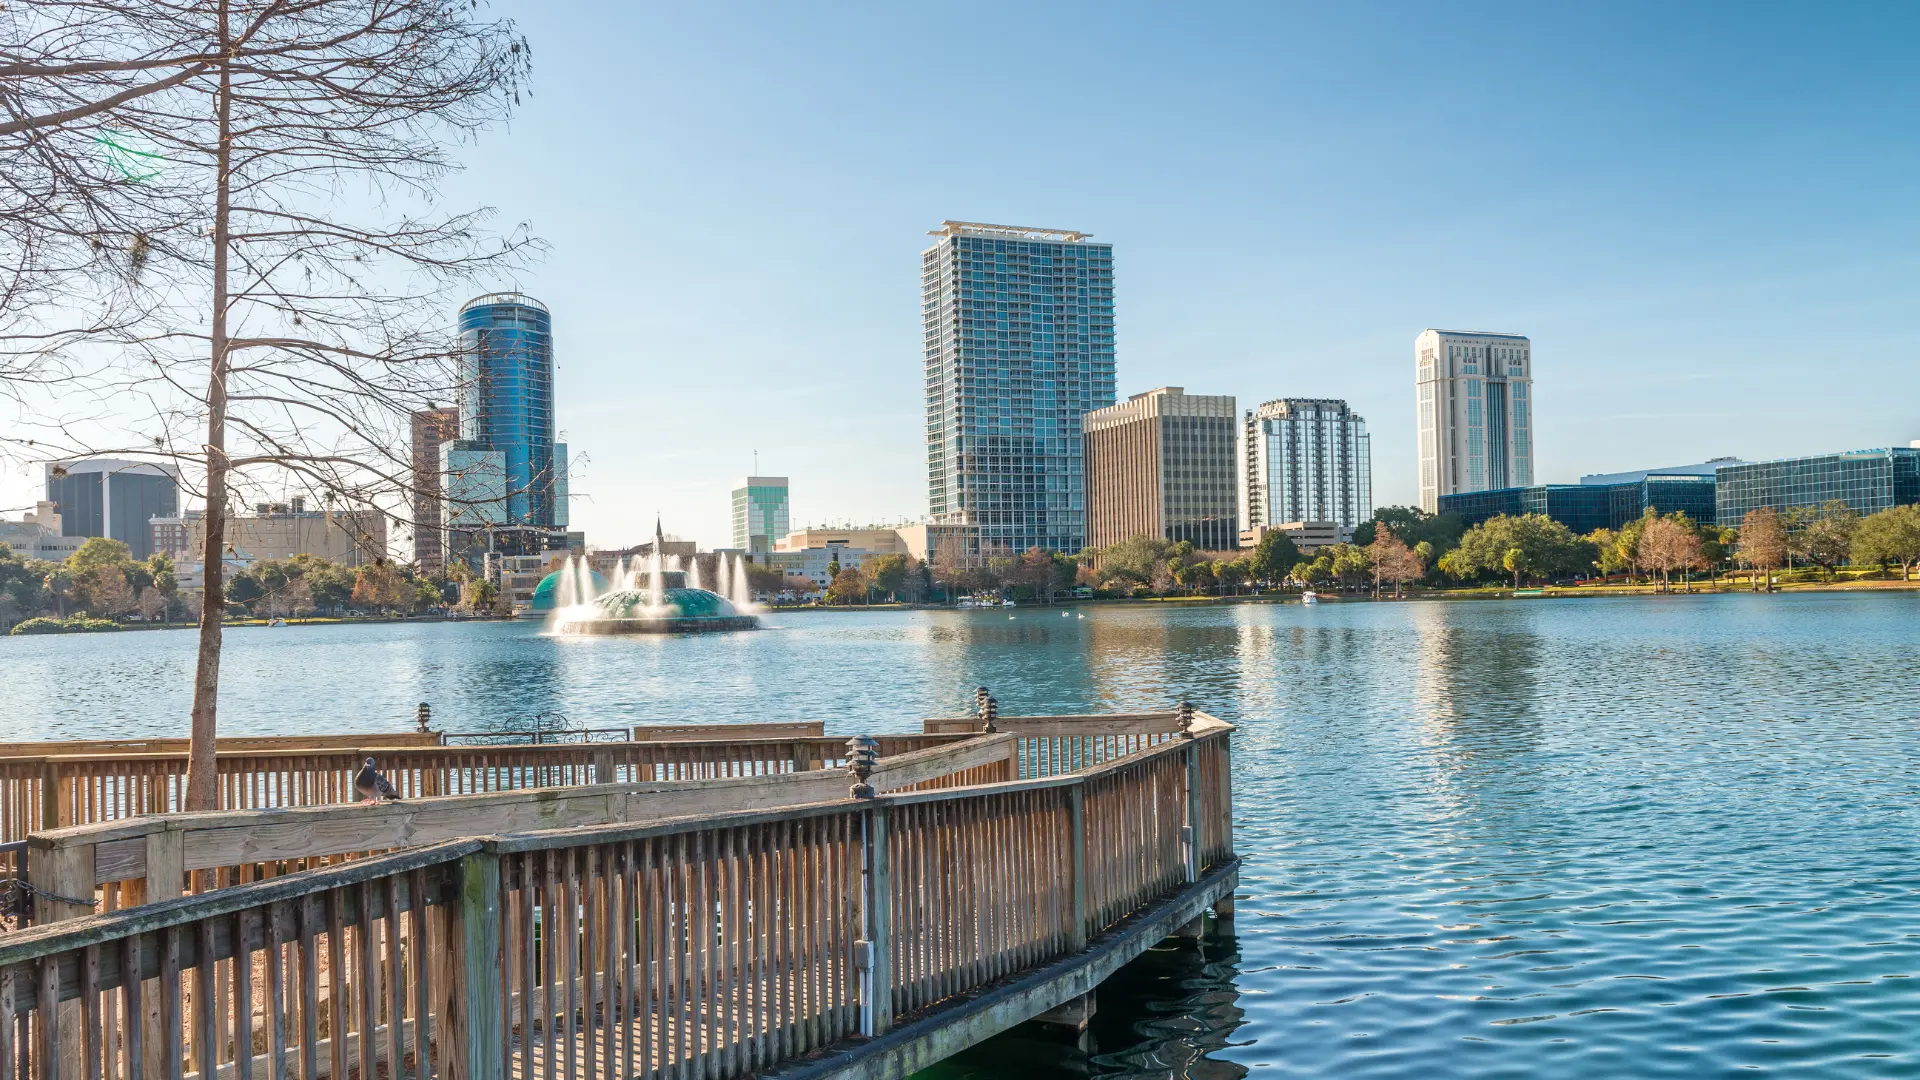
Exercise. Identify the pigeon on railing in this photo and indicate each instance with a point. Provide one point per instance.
(374, 787)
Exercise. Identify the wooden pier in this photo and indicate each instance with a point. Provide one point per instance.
(666, 907)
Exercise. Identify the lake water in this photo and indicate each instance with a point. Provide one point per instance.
(1632, 837)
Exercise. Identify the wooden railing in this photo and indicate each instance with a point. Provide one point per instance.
(706, 946)
(53, 792)
(98, 747)
(798, 729)
(136, 860)
(1053, 745)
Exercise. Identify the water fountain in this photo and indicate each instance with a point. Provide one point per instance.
(661, 598)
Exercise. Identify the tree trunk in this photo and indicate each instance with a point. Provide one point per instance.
(203, 792)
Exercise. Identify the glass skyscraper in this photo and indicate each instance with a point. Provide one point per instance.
(1018, 347)
(1306, 459)
(506, 403)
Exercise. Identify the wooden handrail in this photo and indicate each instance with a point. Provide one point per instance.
(798, 729)
(78, 789)
(281, 743)
(120, 850)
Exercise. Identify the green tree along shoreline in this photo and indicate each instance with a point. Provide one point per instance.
(1401, 550)
(102, 587)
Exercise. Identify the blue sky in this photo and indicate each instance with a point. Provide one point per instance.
(1703, 215)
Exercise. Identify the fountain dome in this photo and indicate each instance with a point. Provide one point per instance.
(546, 595)
(664, 597)
(632, 611)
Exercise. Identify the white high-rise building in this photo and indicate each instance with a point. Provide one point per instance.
(1475, 412)
(1305, 459)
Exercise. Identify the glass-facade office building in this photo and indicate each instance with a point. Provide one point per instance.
(1583, 508)
(1306, 459)
(759, 512)
(1018, 347)
(1868, 481)
(113, 498)
(506, 404)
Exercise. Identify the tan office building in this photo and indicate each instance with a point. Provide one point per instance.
(431, 427)
(1162, 464)
(279, 531)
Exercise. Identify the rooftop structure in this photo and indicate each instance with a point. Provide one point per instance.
(1008, 232)
(1704, 468)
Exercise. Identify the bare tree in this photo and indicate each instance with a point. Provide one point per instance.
(295, 280)
(153, 604)
(1666, 545)
(1763, 544)
(1393, 561)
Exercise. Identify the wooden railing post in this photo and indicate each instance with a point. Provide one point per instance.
(1190, 833)
(475, 1048)
(1077, 817)
(879, 900)
(166, 864)
(56, 876)
(49, 796)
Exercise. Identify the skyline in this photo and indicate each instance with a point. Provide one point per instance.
(1696, 220)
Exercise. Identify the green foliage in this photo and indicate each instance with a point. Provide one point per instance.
(1888, 537)
(72, 624)
(1349, 563)
(99, 553)
(886, 574)
(1132, 561)
(1274, 558)
(1414, 527)
(1824, 536)
(1529, 546)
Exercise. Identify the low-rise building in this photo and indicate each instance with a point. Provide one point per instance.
(922, 540)
(37, 535)
(278, 531)
(816, 563)
(1868, 481)
(1308, 536)
(1584, 507)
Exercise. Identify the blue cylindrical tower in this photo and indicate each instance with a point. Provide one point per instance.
(506, 360)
